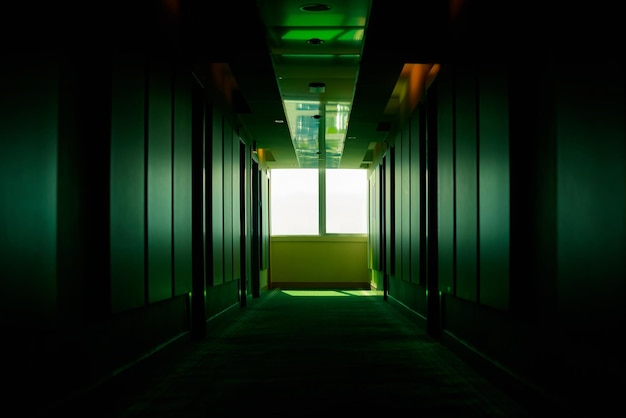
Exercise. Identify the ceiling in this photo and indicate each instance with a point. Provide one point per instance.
(355, 51)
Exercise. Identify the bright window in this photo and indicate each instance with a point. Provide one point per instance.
(294, 203)
(346, 201)
(295, 207)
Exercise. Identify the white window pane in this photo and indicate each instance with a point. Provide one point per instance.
(294, 202)
(346, 201)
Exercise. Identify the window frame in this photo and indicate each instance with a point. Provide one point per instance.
(322, 217)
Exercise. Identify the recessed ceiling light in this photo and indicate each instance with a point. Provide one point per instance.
(279, 121)
(317, 87)
(315, 7)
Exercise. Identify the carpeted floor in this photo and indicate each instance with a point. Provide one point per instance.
(311, 353)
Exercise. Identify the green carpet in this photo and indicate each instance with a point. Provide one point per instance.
(313, 353)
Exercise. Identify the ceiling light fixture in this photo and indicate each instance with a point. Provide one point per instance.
(317, 121)
(315, 7)
(317, 87)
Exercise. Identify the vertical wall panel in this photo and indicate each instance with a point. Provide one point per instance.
(591, 202)
(28, 187)
(208, 122)
(265, 220)
(83, 190)
(533, 198)
(227, 201)
(159, 181)
(244, 263)
(494, 191)
(374, 261)
(445, 167)
(415, 197)
(216, 142)
(237, 205)
(405, 200)
(182, 184)
(397, 205)
(200, 252)
(389, 211)
(423, 196)
(466, 188)
(127, 184)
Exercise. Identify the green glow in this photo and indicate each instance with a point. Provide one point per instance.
(352, 35)
(306, 34)
(322, 56)
(332, 293)
(314, 19)
(363, 292)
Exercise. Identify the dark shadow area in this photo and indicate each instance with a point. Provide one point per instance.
(300, 353)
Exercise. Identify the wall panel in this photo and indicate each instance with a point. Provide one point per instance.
(446, 189)
(236, 206)
(389, 211)
(373, 254)
(319, 261)
(415, 197)
(405, 201)
(397, 205)
(494, 191)
(215, 139)
(127, 184)
(591, 202)
(227, 201)
(83, 190)
(466, 183)
(182, 183)
(159, 181)
(28, 187)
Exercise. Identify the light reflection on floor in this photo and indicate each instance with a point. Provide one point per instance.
(331, 292)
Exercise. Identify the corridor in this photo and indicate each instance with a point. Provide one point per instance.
(140, 275)
(298, 353)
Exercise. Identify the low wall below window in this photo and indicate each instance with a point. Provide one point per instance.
(319, 262)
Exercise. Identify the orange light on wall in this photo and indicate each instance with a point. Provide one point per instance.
(223, 80)
(172, 7)
(409, 90)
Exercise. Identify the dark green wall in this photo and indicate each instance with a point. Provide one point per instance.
(96, 215)
(493, 187)
(446, 194)
(531, 199)
(216, 234)
(28, 191)
(159, 179)
(127, 182)
(182, 181)
(416, 209)
(591, 200)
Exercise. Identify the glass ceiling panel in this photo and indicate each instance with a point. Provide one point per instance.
(318, 131)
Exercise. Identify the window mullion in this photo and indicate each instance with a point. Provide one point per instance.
(322, 169)
(322, 200)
